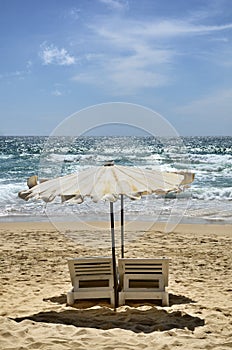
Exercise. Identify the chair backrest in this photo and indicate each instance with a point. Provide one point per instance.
(144, 267)
(90, 268)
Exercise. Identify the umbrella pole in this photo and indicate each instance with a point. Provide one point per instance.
(122, 228)
(114, 256)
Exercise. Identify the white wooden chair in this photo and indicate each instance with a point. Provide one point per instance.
(143, 279)
(92, 278)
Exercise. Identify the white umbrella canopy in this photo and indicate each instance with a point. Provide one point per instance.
(108, 182)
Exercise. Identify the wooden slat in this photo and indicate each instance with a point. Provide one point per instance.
(143, 279)
(152, 283)
(91, 278)
(92, 272)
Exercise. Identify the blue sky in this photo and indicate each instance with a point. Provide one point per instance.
(173, 56)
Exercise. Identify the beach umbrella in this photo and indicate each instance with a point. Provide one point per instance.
(109, 182)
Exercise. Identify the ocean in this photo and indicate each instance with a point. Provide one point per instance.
(208, 200)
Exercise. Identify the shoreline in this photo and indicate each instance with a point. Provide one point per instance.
(204, 220)
(129, 226)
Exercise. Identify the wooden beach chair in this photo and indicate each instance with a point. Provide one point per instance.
(92, 278)
(141, 279)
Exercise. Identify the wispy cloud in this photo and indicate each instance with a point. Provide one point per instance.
(50, 54)
(57, 92)
(156, 29)
(221, 39)
(59, 89)
(18, 74)
(73, 13)
(115, 4)
(140, 53)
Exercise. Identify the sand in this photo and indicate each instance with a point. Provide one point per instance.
(35, 279)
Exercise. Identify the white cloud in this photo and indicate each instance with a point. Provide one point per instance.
(130, 63)
(143, 68)
(222, 39)
(29, 65)
(127, 82)
(89, 78)
(123, 30)
(177, 28)
(115, 4)
(50, 54)
(122, 81)
(73, 13)
(57, 92)
(130, 55)
(18, 74)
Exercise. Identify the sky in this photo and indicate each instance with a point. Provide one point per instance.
(172, 56)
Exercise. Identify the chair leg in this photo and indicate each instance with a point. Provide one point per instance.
(70, 298)
(165, 299)
(112, 301)
(121, 299)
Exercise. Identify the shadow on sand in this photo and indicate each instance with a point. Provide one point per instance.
(173, 300)
(101, 316)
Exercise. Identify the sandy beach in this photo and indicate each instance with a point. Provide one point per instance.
(35, 279)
